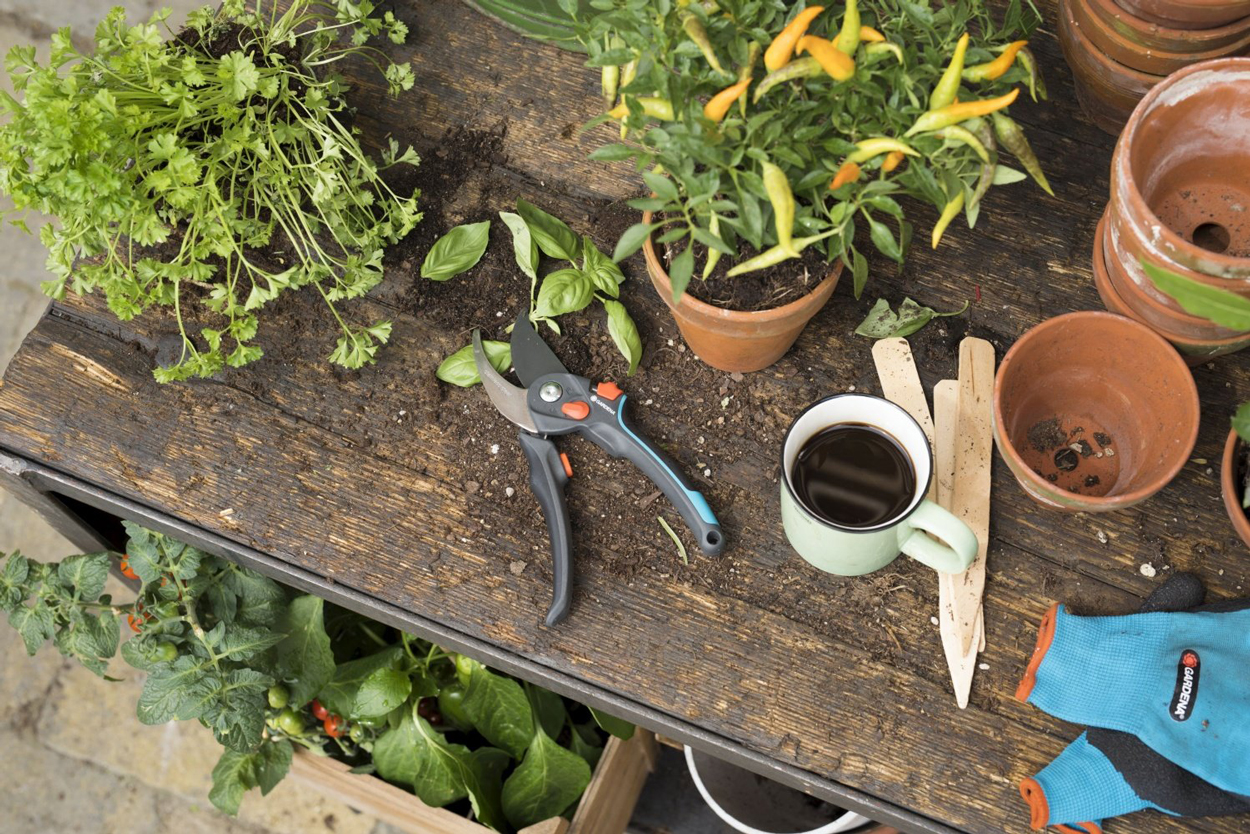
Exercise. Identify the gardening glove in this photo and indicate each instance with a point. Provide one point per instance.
(1106, 772)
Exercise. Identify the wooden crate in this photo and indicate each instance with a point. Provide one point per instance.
(605, 807)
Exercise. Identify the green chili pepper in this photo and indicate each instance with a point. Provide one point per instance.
(610, 76)
(628, 73)
(948, 85)
(848, 38)
(1037, 84)
(656, 108)
(1013, 139)
(873, 50)
(985, 133)
(747, 70)
(960, 134)
(777, 187)
(775, 255)
(948, 214)
(696, 32)
(807, 67)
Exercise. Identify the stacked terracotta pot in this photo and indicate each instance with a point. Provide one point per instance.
(1119, 49)
(1180, 199)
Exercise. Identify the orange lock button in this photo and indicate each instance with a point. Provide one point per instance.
(577, 410)
(608, 390)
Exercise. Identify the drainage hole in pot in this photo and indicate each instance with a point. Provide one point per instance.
(1212, 237)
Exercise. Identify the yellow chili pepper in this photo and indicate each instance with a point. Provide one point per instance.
(781, 49)
(775, 255)
(996, 68)
(746, 71)
(801, 68)
(713, 255)
(948, 214)
(656, 108)
(849, 172)
(892, 160)
(948, 85)
(874, 49)
(955, 113)
(719, 104)
(871, 35)
(869, 148)
(960, 134)
(628, 73)
(848, 38)
(777, 187)
(832, 60)
(694, 28)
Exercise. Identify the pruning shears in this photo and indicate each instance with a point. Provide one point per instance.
(555, 402)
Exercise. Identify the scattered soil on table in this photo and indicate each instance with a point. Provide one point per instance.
(763, 289)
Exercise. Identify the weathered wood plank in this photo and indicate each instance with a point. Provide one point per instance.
(358, 477)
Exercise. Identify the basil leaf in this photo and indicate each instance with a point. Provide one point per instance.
(564, 291)
(548, 781)
(632, 240)
(382, 692)
(499, 710)
(457, 251)
(883, 323)
(460, 369)
(624, 333)
(523, 245)
(304, 656)
(1212, 303)
(604, 273)
(552, 234)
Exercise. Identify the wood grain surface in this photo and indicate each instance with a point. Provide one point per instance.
(343, 475)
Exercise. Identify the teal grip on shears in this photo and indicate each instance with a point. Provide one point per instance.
(696, 498)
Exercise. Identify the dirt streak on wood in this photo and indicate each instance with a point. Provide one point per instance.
(363, 477)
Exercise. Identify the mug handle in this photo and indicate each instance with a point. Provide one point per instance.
(961, 543)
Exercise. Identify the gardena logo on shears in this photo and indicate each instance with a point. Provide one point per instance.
(597, 401)
(1186, 685)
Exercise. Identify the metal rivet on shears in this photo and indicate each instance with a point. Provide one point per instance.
(550, 392)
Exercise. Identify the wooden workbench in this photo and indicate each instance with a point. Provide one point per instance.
(336, 482)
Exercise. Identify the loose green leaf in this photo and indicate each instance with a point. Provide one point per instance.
(563, 291)
(383, 691)
(523, 244)
(547, 781)
(552, 235)
(304, 657)
(883, 323)
(1218, 305)
(499, 710)
(460, 369)
(624, 333)
(457, 251)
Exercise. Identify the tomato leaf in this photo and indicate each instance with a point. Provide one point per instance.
(457, 251)
(304, 657)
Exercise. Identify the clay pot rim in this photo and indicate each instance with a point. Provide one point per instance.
(1158, 31)
(1207, 8)
(1088, 47)
(1084, 15)
(1103, 276)
(695, 305)
(1121, 168)
(1229, 491)
(1104, 318)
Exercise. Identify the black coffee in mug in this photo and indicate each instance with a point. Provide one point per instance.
(854, 475)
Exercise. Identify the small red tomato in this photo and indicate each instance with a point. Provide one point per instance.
(125, 569)
(319, 712)
(135, 625)
(335, 726)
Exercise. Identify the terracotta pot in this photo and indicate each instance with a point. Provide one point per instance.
(1181, 169)
(1167, 319)
(1188, 14)
(1166, 39)
(1231, 492)
(730, 340)
(1194, 351)
(1106, 89)
(1134, 55)
(1107, 385)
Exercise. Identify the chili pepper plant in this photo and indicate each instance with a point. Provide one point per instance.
(268, 670)
(765, 128)
(211, 170)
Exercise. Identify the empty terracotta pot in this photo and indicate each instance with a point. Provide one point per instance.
(1232, 490)
(730, 340)
(1094, 412)
(1188, 14)
(1181, 170)
(1150, 35)
(1149, 59)
(1106, 89)
(1194, 351)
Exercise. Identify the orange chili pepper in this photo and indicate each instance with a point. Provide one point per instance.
(871, 35)
(849, 172)
(719, 104)
(831, 59)
(892, 160)
(956, 113)
(781, 49)
(996, 68)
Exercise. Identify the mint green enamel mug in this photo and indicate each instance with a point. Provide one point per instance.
(852, 551)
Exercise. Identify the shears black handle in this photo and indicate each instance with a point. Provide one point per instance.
(547, 479)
